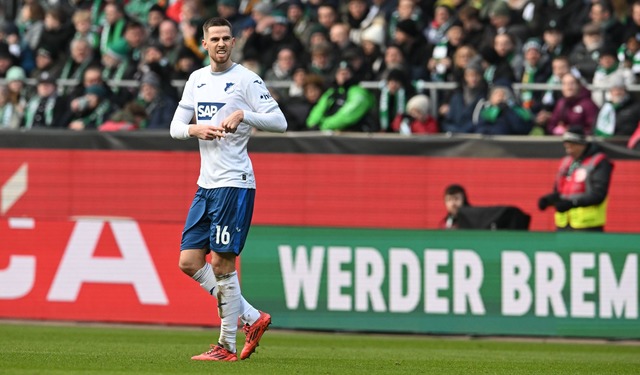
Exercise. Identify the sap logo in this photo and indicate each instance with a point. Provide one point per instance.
(229, 87)
(265, 96)
(206, 111)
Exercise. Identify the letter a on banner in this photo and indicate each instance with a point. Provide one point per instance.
(78, 264)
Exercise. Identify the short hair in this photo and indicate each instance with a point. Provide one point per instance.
(313, 79)
(457, 189)
(564, 58)
(591, 29)
(133, 24)
(328, 4)
(119, 7)
(81, 15)
(57, 13)
(606, 6)
(215, 21)
(470, 12)
(74, 43)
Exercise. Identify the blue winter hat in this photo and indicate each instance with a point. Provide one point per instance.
(97, 90)
(230, 3)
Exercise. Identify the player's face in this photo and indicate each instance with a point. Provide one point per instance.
(219, 43)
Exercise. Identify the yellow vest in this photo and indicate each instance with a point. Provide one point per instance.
(580, 217)
(583, 217)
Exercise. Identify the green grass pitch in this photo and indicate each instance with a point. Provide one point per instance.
(68, 349)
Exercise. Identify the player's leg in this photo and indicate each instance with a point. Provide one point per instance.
(229, 298)
(230, 211)
(229, 234)
(255, 322)
(194, 264)
(194, 244)
(194, 248)
(231, 304)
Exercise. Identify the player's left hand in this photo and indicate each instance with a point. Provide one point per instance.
(230, 124)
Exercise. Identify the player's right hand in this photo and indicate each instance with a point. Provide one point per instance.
(207, 132)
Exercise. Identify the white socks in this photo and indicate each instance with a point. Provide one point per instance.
(247, 313)
(229, 304)
(205, 277)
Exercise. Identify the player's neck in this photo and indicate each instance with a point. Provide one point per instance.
(217, 68)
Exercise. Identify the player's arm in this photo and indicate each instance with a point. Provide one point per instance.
(182, 129)
(265, 114)
(270, 121)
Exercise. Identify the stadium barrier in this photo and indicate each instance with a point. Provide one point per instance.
(432, 89)
(90, 227)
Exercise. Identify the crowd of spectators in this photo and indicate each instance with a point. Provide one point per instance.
(81, 55)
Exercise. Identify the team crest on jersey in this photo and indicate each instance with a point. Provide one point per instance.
(206, 110)
(229, 87)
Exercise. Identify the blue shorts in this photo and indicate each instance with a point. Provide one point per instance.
(219, 220)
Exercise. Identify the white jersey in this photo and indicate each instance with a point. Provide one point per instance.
(213, 96)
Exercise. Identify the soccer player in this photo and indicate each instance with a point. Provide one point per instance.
(229, 101)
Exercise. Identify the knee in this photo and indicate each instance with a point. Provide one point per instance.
(187, 267)
(223, 264)
(190, 265)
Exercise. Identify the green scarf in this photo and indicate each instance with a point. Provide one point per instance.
(610, 70)
(548, 98)
(528, 76)
(97, 116)
(385, 98)
(116, 74)
(6, 112)
(68, 74)
(110, 34)
(32, 107)
(97, 15)
(606, 121)
(490, 113)
(489, 73)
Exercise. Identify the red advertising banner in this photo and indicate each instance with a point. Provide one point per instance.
(94, 235)
(364, 191)
(89, 269)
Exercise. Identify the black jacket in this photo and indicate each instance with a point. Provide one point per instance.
(627, 117)
(599, 179)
